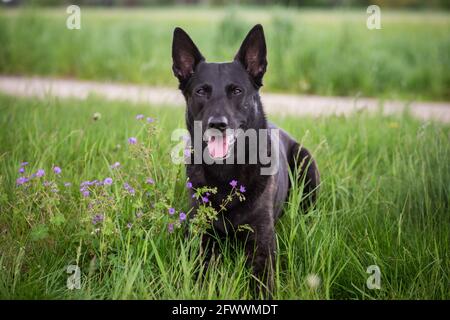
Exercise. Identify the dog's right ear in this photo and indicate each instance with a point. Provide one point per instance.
(185, 56)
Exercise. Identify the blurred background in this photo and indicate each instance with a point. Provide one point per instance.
(319, 3)
(320, 47)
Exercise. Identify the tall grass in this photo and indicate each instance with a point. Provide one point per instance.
(384, 201)
(310, 51)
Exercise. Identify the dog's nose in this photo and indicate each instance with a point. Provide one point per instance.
(219, 123)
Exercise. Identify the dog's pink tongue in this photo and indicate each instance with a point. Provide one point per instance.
(218, 147)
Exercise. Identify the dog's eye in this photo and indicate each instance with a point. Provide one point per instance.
(201, 92)
(236, 91)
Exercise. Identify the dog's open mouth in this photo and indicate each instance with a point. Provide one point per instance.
(219, 146)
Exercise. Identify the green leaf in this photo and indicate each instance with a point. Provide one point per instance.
(58, 219)
(39, 232)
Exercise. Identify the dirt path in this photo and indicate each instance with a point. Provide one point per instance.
(274, 103)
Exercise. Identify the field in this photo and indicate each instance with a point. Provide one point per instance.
(310, 51)
(384, 201)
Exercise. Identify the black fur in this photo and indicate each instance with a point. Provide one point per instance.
(230, 90)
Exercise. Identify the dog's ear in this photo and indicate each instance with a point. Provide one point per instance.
(185, 55)
(253, 54)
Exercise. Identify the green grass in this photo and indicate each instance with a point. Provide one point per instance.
(310, 51)
(384, 201)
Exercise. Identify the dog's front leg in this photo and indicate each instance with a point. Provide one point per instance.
(261, 252)
(208, 245)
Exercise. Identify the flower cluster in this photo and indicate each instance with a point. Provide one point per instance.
(23, 179)
(148, 119)
(87, 186)
(129, 189)
(207, 210)
(234, 183)
(110, 203)
(98, 218)
(40, 189)
(176, 220)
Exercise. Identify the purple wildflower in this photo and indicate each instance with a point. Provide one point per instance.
(84, 183)
(189, 185)
(23, 164)
(67, 184)
(129, 188)
(115, 165)
(233, 183)
(97, 218)
(132, 140)
(21, 180)
(182, 216)
(139, 214)
(150, 120)
(108, 181)
(139, 117)
(205, 199)
(129, 225)
(46, 183)
(150, 181)
(40, 173)
(21, 170)
(170, 227)
(242, 189)
(171, 211)
(54, 190)
(85, 193)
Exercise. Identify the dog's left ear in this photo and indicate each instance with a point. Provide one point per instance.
(253, 54)
(185, 56)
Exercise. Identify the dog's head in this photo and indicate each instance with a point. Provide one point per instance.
(223, 96)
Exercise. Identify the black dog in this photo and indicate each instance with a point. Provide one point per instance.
(225, 96)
